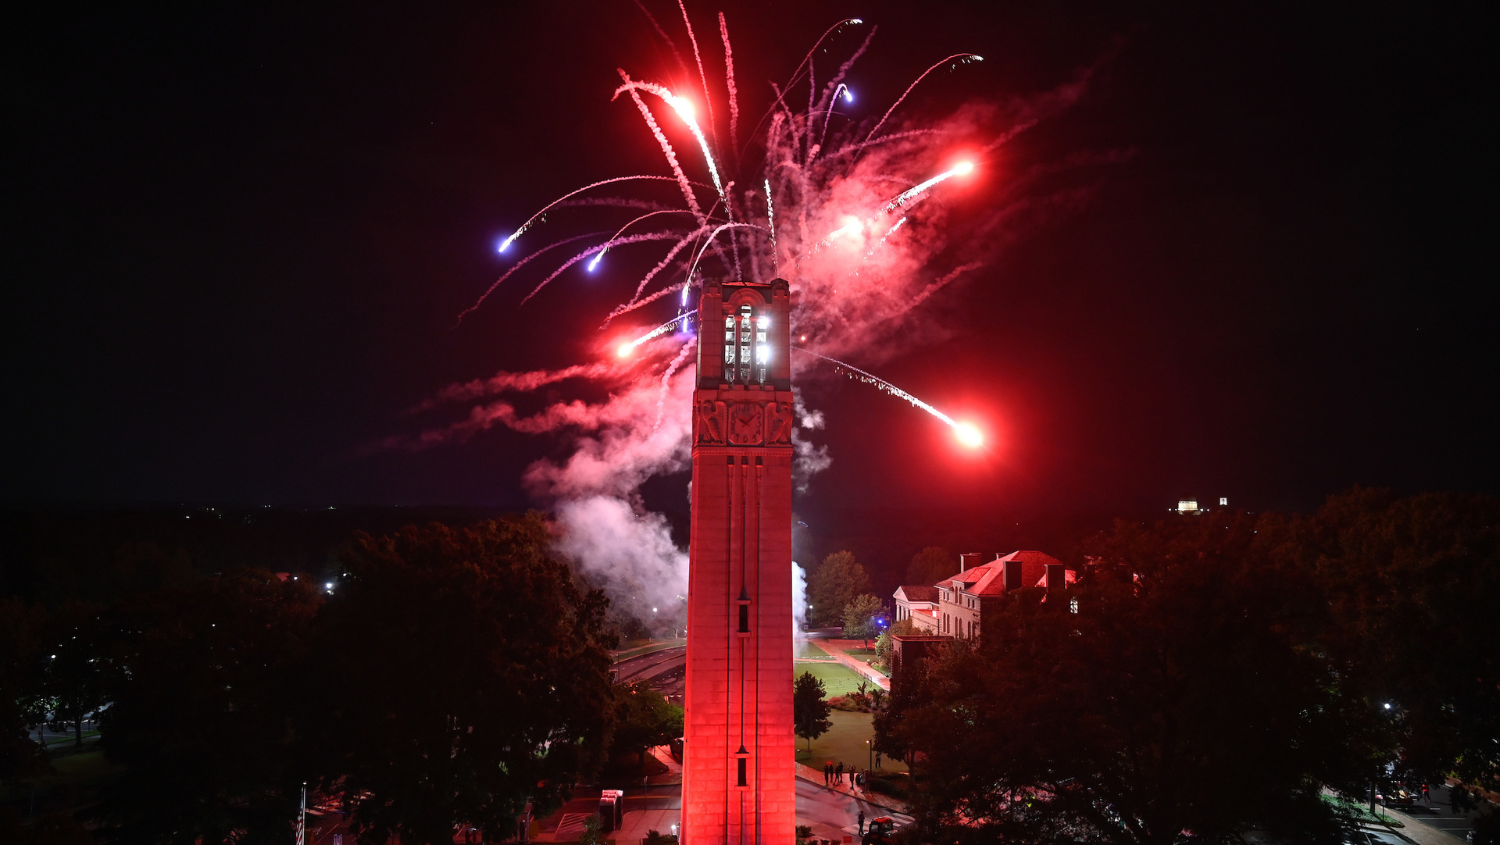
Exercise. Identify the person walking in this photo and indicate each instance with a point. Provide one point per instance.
(861, 822)
(1425, 795)
(838, 773)
(828, 773)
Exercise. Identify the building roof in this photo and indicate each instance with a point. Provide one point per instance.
(917, 592)
(988, 579)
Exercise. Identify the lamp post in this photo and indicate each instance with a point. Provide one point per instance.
(869, 756)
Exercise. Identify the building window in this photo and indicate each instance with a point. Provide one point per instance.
(762, 350)
(744, 619)
(745, 348)
(742, 773)
(729, 354)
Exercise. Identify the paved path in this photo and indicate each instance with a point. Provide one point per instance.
(836, 650)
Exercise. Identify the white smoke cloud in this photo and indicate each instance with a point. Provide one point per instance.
(799, 599)
(627, 551)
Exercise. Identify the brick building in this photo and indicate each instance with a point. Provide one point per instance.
(738, 753)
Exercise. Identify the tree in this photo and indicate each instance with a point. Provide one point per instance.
(1180, 697)
(833, 585)
(809, 709)
(930, 566)
(885, 649)
(71, 685)
(20, 754)
(202, 684)
(1413, 585)
(464, 673)
(862, 618)
(644, 719)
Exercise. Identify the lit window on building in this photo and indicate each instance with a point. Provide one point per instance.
(729, 355)
(745, 347)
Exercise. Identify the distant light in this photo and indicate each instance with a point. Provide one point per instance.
(764, 322)
(848, 96)
(1387, 705)
(504, 244)
(802, 339)
(683, 107)
(328, 586)
(653, 610)
(625, 349)
(969, 435)
(963, 168)
(1223, 501)
(594, 265)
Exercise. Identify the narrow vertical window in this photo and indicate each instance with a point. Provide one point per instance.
(745, 347)
(743, 781)
(762, 350)
(744, 619)
(729, 356)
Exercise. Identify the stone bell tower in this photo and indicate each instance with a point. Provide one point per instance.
(738, 767)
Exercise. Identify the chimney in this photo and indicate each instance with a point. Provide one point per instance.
(969, 561)
(1057, 578)
(1012, 575)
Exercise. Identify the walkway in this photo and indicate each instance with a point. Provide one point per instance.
(836, 650)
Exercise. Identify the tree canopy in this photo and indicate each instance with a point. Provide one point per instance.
(809, 708)
(930, 566)
(466, 674)
(644, 719)
(1180, 697)
(862, 617)
(833, 585)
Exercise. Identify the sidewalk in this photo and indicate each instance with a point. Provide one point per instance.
(835, 649)
(1422, 834)
(815, 776)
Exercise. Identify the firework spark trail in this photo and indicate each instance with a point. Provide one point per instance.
(682, 244)
(505, 244)
(684, 109)
(906, 196)
(632, 239)
(723, 227)
(666, 148)
(595, 263)
(959, 56)
(771, 219)
(662, 33)
(940, 284)
(627, 348)
(666, 380)
(734, 97)
(882, 384)
(519, 264)
(708, 98)
(641, 303)
(520, 382)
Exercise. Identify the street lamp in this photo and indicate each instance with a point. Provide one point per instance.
(869, 756)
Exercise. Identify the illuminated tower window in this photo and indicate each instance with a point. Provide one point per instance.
(729, 348)
(745, 348)
(762, 351)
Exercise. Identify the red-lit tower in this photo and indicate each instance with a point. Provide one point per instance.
(738, 768)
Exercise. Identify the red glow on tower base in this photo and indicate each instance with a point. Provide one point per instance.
(738, 757)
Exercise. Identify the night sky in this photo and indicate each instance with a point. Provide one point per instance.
(239, 235)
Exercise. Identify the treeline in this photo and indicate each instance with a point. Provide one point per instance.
(442, 674)
(1213, 675)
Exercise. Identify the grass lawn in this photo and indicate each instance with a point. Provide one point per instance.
(865, 656)
(845, 742)
(647, 647)
(1362, 811)
(837, 678)
(807, 651)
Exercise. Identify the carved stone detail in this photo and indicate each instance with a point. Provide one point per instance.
(778, 423)
(710, 422)
(745, 424)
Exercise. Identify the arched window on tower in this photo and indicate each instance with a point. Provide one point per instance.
(762, 349)
(729, 347)
(745, 348)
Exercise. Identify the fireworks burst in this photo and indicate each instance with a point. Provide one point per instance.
(846, 208)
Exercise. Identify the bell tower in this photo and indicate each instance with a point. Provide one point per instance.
(738, 784)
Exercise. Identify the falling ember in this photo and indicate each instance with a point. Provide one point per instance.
(967, 433)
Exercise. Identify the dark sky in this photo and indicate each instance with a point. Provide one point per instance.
(239, 234)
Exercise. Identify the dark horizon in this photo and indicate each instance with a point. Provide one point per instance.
(244, 235)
